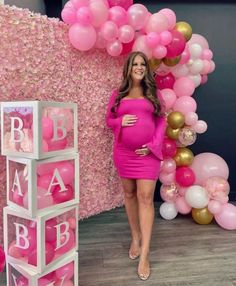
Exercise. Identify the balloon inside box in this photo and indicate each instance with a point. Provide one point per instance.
(64, 273)
(36, 186)
(38, 129)
(41, 242)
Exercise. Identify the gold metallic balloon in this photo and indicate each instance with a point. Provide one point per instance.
(183, 157)
(172, 133)
(202, 216)
(154, 63)
(175, 119)
(185, 29)
(170, 62)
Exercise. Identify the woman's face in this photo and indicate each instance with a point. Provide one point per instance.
(138, 69)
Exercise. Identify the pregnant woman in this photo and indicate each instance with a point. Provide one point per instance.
(134, 115)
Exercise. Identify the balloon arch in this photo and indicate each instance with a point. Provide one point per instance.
(181, 61)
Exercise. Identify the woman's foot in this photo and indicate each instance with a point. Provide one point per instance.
(134, 250)
(144, 268)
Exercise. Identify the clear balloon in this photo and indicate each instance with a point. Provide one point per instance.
(215, 185)
(169, 193)
(187, 136)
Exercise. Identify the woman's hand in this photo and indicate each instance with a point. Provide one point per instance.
(129, 120)
(144, 151)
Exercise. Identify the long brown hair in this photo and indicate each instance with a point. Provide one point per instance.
(148, 83)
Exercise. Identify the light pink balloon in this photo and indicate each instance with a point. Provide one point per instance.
(200, 126)
(118, 15)
(204, 79)
(79, 3)
(169, 98)
(114, 48)
(68, 15)
(185, 56)
(43, 200)
(191, 118)
(206, 67)
(69, 5)
(213, 66)
(13, 250)
(67, 171)
(137, 16)
(182, 190)
(227, 217)
(180, 70)
(46, 168)
(169, 193)
(109, 30)
(207, 55)
(140, 45)
(185, 104)
(152, 39)
(159, 52)
(126, 34)
(165, 38)
(171, 17)
(184, 86)
(84, 16)
(168, 165)
(157, 23)
(99, 12)
(167, 178)
(215, 207)
(198, 39)
(82, 37)
(182, 206)
(206, 165)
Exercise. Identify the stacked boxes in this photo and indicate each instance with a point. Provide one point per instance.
(41, 219)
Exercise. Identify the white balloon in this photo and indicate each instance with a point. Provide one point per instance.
(197, 197)
(196, 67)
(196, 79)
(195, 51)
(168, 211)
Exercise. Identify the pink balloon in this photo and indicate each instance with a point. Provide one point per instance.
(204, 79)
(168, 165)
(127, 48)
(22, 281)
(17, 199)
(191, 118)
(177, 45)
(68, 246)
(72, 222)
(169, 193)
(157, 22)
(185, 104)
(126, 34)
(82, 37)
(165, 37)
(169, 148)
(66, 270)
(185, 176)
(182, 206)
(206, 165)
(49, 254)
(44, 181)
(212, 67)
(43, 200)
(50, 230)
(67, 171)
(185, 56)
(84, 16)
(46, 169)
(159, 52)
(180, 70)
(118, 15)
(152, 39)
(44, 282)
(200, 126)
(167, 178)
(79, 3)
(100, 41)
(109, 30)
(171, 17)
(169, 98)
(198, 39)
(227, 217)
(137, 16)
(140, 45)
(122, 3)
(182, 190)
(215, 207)
(13, 250)
(206, 67)
(99, 12)
(207, 55)
(184, 86)
(60, 197)
(47, 128)
(114, 48)
(68, 15)
(45, 146)
(166, 81)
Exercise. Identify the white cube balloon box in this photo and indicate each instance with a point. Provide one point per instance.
(36, 186)
(38, 129)
(65, 272)
(42, 242)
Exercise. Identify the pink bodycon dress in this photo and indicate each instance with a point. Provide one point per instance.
(148, 130)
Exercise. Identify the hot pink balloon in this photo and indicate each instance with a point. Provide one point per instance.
(47, 128)
(62, 196)
(49, 255)
(206, 165)
(17, 198)
(46, 169)
(185, 176)
(126, 34)
(169, 148)
(166, 81)
(67, 171)
(171, 17)
(182, 206)
(68, 15)
(184, 86)
(176, 46)
(227, 217)
(122, 3)
(185, 104)
(118, 15)
(127, 48)
(50, 230)
(169, 98)
(215, 207)
(66, 270)
(137, 16)
(82, 37)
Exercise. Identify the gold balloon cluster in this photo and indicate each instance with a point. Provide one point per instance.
(202, 216)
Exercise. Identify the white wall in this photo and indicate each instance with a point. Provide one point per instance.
(32, 5)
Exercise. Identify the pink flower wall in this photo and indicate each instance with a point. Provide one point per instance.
(38, 62)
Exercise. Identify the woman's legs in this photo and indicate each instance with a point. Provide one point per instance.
(131, 206)
(145, 193)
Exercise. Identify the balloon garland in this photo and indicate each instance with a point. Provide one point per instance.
(181, 61)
